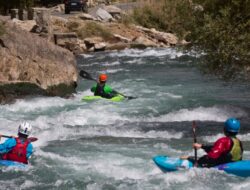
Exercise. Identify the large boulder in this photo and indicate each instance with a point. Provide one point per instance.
(31, 65)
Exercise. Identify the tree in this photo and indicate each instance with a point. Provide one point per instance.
(6, 5)
(222, 30)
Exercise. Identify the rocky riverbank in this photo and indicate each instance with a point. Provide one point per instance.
(38, 54)
(103, 28)
(33, 65)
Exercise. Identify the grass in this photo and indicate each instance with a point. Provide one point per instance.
(2, 30)
(165, 15)
(91, 29)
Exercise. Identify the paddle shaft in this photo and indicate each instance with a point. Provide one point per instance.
(86, 75)
(31, 139)
(195, 141)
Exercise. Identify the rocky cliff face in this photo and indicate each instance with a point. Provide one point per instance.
(31, 65)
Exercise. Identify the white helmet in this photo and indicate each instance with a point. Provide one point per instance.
(25, 128)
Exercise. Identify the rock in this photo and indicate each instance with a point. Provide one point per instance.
(90, 42)
(85, 16)
(183, 42)
(62, 38)
(144, 42)
(104, 15)
(43, 26)
(113, 10)
(122, 38)
(27, 25)
(118, 46)
(31, 65)
(58, 8)
(166, 38)
(59, 24)
(100, 46)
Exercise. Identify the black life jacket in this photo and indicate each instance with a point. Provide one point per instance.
(99, 91)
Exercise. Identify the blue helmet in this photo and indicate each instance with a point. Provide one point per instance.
(232, 125)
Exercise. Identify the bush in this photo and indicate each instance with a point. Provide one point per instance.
(223, 31)
(165, 15)
(93, 29)
(2, 30)
(6, 5)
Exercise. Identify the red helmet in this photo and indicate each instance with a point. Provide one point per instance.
(103, 77)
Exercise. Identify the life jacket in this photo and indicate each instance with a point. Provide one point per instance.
(236, 150)
(99, 91)
(18, 153)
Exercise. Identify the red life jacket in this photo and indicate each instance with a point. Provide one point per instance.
(18, 153)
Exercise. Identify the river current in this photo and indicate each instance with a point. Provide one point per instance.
(109, 145)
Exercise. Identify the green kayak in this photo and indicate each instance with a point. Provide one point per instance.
(117, 98)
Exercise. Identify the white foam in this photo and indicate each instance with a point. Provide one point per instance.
(244, 185)
(115, 70)
(87, 55)
(149, 52)
(213, 138)
(115, 63)
(201, 114)
(171, 95)
(38, 104)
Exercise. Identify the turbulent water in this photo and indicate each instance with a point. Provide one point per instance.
(109, 145)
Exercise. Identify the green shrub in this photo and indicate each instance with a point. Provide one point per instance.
(94, 29)
(126, 20)
(2, 30)
(222, 30)
(165, 15)
(73, 26)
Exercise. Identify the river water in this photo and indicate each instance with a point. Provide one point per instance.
(109, 145)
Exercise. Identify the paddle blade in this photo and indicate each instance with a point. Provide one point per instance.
(131, 97)
(85, 75)
(32, 139)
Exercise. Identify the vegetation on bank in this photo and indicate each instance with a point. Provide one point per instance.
(90, 29)
(6, 5)
(2, 30)
(221, 29)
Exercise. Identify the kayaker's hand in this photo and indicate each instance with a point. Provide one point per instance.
(197, 145)
(184, 157)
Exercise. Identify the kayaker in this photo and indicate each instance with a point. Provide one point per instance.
(103, 90)
(224, 150)
(19, 148)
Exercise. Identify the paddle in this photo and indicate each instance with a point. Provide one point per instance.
(195, 141)
(86, 75)
(31, 139)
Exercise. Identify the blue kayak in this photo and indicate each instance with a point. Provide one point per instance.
(168, 164)
(9, 163)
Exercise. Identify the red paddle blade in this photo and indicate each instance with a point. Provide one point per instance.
(32, 139)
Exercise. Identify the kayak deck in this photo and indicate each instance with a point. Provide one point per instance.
(117, 98)
(9, 163)
(168, 164)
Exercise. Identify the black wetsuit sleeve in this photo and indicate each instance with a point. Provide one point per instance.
(207, 148)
